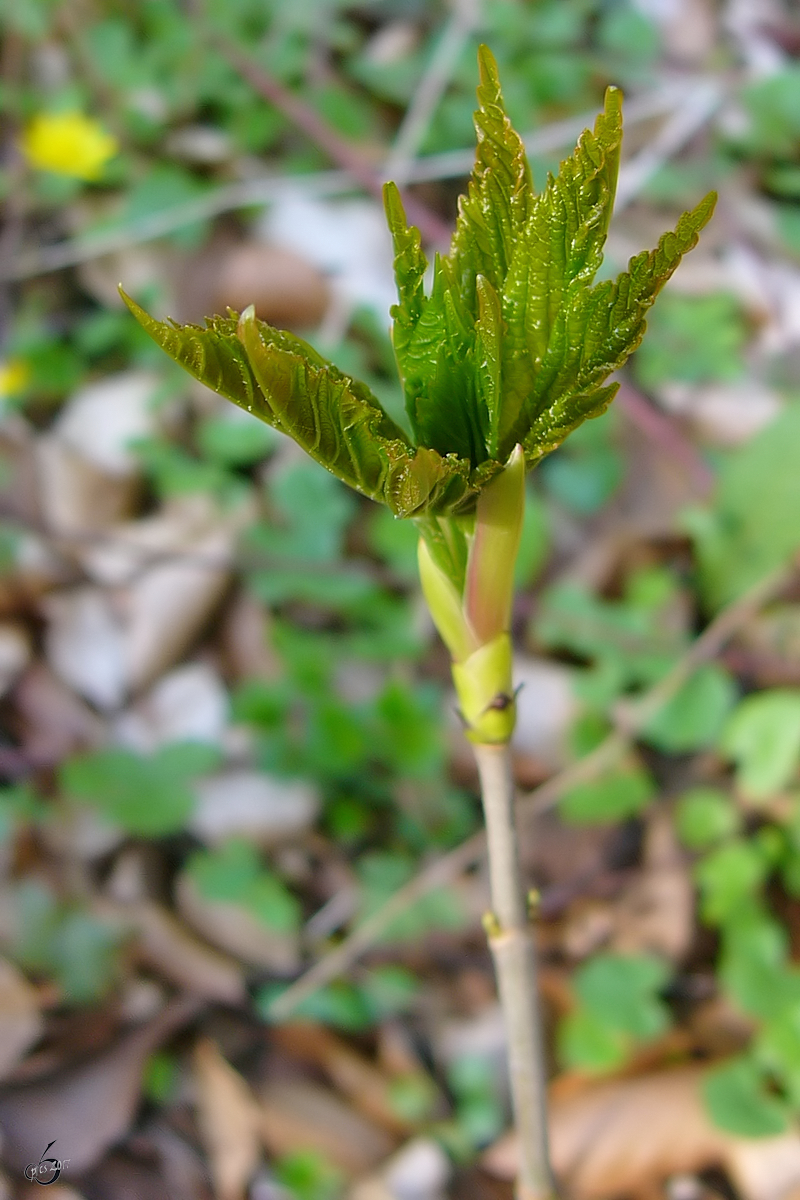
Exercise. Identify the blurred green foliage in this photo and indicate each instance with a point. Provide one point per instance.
(234, 874)
(145, 796)
(618, 1007)
(307, 1175)
(692, 339)
(339, 578)
(378, 993)
(64, 941)
(754, 524)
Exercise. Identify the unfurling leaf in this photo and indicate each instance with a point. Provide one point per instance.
(513, 345)
(283, 381)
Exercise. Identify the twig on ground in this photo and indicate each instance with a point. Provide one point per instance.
(630, 717)
(663, 429)
(339, 149)
(229, 197)
(431, 88)
(155, 225)
(698, 106)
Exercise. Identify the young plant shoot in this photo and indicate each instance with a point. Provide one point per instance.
(510, 352)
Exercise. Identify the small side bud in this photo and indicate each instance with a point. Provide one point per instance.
(534, 903)
(485, 692)
(491, 925)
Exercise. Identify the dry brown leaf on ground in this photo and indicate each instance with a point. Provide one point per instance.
(419, 1170)
(129, 1174)
(104, 419)
(479, 1035)
(57, 1191)
(68, 1038)
(78, 498)
(236, 931)
(84, 644)
(245, 640)
(180, 1164)
(655, 914)
(766, 1168)
(717, 1028)
(689, 29)
(15, 653)
(285, 288)
(166, 946)
(723, 414)
(546, 709)
(297, 1114)
(767, 648)
(19, 485)
(167, 606)
(263, 808)
(364, 1084)
(78, 831)
(89, 1107)
(624, 1137)
(36, 569)
(141, 266)
(87, 475)
(21, 1022)
(53, 721)
(174, 568)
(620, 1137)
(588, 926)
(229, 1121)
(190, 703)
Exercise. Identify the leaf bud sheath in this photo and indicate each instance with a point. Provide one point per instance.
(489, 589)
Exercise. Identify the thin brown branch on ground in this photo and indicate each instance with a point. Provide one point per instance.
(697, 107)
(342, 152)
(229, 197)
(665, 430)
(431, 88)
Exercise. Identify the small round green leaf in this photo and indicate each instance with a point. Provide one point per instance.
(704, 816)
(616, 796)
(738, 1101)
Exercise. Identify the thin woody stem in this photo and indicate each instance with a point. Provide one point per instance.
(514, 954)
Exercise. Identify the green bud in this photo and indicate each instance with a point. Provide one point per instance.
(485, 692)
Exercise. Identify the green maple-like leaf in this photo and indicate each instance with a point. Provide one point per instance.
(337, 420)
(595, 332)
(497, 207)
(513, 344)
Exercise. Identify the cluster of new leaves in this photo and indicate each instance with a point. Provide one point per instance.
(513, 344)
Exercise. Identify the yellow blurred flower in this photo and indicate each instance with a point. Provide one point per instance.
(14, 375)
(68, 143)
